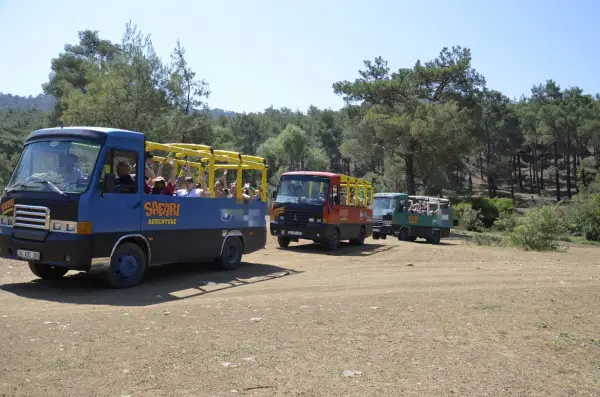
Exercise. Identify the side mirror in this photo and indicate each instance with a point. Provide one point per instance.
(336, 199)
(110, 183)
(274, 195)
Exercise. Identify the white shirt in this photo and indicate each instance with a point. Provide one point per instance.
(188, 193)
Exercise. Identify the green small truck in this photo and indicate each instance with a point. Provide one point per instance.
(411, 217)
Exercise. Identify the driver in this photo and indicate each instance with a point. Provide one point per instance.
(72, 174)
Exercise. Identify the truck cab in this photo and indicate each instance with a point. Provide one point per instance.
(411, 217)
(323, 207)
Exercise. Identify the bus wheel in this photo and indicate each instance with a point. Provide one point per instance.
(375, 236)
(403, 234)
(231, 257)
(127, 266)
(332, 242)
(435, 237)
(47, 272)
(283, 242)
(360, 240)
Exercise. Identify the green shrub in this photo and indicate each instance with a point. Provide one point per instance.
(582, 217)
(505, 222)
(488, 239)
(472, 220)
(491, 209)
(458, 209)
(539, 231)
(503, 205)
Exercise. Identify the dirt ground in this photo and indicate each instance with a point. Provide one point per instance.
(408, 319)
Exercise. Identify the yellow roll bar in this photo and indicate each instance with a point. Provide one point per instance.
(204, 157)
(359, 186)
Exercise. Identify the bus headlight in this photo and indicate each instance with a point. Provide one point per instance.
(311, 219)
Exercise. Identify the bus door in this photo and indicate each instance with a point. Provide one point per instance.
(117, 208)
(332, 210)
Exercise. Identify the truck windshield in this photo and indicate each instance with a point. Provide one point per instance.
(384, 205)
(303, 189)
(59, 166)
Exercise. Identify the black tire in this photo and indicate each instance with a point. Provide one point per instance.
(360, 240)
(375, 236)
(333, 241)
(231, 257)
(127, 266)
(383, 236)
(412, 239)
(403, 234)
(435, 237)
(283, 242)
(47, 272)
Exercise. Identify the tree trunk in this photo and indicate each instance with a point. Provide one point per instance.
(530, 177)
(409, 172)
(556, 176)
(519, 170)
(541, 174)
(511, 177)
(470, 184)
(575, 164)
(481, 164)
(567, 162)
(488, 168)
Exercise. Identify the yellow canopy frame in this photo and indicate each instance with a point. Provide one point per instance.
(204, 157)
(358, 186)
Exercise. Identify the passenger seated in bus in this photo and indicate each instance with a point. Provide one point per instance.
(190, 189)
(124, 174)
(161, 187)
(148, 172)
(221, 189)
(124, 181)
(247, 195)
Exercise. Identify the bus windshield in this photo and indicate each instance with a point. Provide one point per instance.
(384, 205)
(60, 166)
(303, 189)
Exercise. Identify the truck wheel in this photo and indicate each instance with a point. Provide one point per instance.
(375, 236)
(231, 257)
(284, 242)
(383, 236)
(435, 237)
(127, 266)
(360, 240)
(332, 242)
(412, 239)
(403, 234)
(47, 272)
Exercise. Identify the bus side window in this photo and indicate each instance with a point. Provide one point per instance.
(118, 169)
(402, 206)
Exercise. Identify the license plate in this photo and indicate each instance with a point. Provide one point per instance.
(376, 230)
(294, 233)
(28, 255)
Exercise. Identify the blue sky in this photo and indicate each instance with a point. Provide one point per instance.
(282, 53)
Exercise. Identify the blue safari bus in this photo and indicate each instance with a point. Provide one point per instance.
(64, 209)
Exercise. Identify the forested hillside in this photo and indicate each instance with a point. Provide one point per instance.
(434, 127)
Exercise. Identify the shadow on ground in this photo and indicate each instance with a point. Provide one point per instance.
(161, 284)
(345, 249)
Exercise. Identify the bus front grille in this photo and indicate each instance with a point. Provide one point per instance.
(31, 217)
